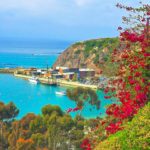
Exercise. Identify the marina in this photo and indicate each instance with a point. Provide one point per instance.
(58, 82)
(30, 98)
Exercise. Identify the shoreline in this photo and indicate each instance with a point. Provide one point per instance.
(8, 70)
(60, 82)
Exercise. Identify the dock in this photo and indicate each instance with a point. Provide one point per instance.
(7, 70)
(58, 82)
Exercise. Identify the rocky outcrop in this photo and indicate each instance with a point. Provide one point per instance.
(86, 54)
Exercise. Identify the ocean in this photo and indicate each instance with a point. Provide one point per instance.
(31, 98)
(27, 60)
(24, 53)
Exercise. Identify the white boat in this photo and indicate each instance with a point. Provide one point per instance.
(33, 80)
(60, 93)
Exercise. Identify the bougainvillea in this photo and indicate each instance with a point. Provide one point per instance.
(131, 84)
(86, 144)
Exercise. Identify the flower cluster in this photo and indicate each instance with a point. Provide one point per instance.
(86, 144)
(113, 127)
(131, 84)
(74, 109)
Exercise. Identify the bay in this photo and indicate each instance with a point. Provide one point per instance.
(31, 98)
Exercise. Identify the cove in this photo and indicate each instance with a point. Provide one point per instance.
(30, 98)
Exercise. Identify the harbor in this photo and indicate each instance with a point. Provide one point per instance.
(60, 76)
(57, 82)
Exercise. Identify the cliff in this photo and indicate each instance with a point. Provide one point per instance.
(92, 54)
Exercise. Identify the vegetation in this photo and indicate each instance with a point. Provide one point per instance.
(75, 77)
(135, 135)
(132, 87)
(126, 125)
(101, 49)
(53, 130)
(82, 96)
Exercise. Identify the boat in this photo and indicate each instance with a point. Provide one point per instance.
(60, 93)
(33, 80)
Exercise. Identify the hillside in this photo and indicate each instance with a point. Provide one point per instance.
(93, 54)
(135, 136)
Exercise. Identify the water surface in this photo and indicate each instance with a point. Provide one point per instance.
(31, 98)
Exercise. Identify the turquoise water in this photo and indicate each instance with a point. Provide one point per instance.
(13, 60)
(31, 98)
(30, 53)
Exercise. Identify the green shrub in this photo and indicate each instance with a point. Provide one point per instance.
(135, 136)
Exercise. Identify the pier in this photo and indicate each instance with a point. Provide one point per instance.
(57, 82)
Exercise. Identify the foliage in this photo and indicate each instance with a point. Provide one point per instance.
(52, 130)
(75, 77)
(23, 144)
(82, 96)
(48, 109)
(131, 82)
(98, 51)
(132, 76)
(135, 135)
(8, 111)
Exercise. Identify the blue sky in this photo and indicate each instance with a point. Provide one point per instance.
(60, 19)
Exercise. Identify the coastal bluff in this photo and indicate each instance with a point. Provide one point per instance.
(91, 54)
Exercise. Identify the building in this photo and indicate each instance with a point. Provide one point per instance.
(75, 70)
(86, 73)
(68, 75)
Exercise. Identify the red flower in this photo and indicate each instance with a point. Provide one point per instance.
(69, 110)
(146, 54)
(86, 144)
(113, 127)
(148, 13)
(76, 109)
(106, 90)
(137, 74)
(137, 87)
(132, 82)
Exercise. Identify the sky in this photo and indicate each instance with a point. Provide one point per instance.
(69, 20)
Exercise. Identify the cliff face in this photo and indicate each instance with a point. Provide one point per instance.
(89, 54)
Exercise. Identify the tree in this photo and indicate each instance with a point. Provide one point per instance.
(23, 144)
(82, 96)
(39, 140)
(49, 109)
(8, 112)
(75, 77)
(37, 125)
(14, 135)
(25, 125)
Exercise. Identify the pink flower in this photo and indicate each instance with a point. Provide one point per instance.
(137, 87)
(69, 110)
(76, 109)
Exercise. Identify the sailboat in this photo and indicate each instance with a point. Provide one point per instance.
(60, 93)
(33, 80)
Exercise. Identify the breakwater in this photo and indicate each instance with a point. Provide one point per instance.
(8, 70)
